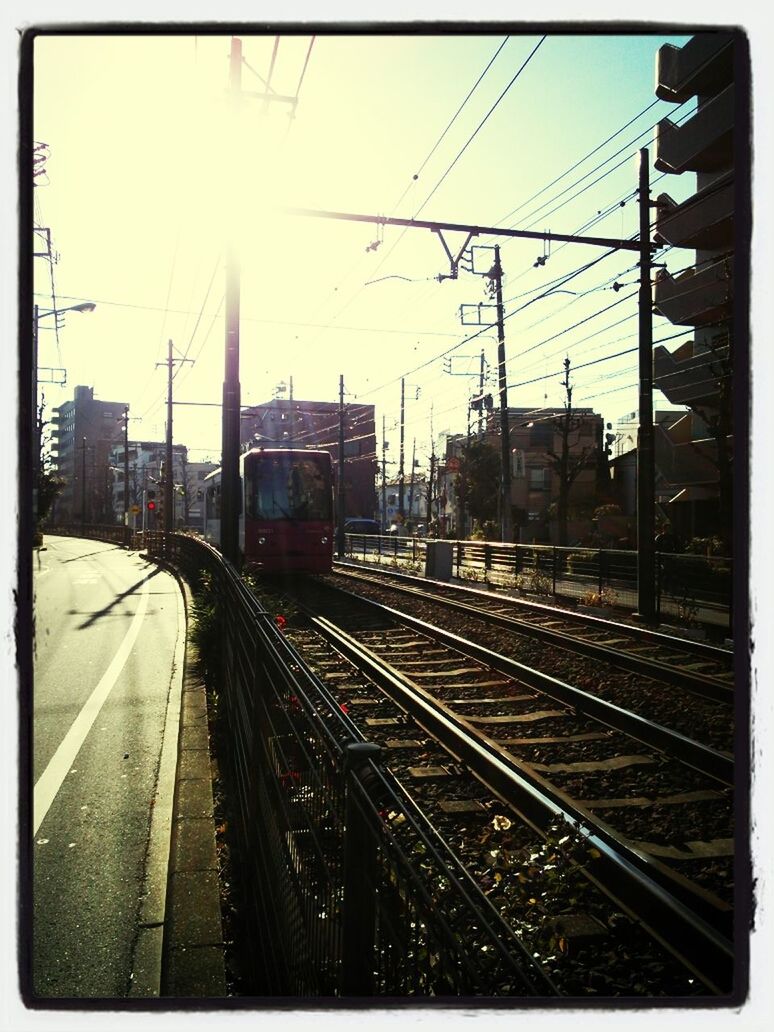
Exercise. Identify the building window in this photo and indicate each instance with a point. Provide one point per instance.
(541, 435)
(538, 479)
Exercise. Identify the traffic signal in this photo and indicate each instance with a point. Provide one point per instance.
(151, 506)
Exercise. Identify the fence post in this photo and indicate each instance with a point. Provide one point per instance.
(554, 570)
(360, 860)
(599, 570)
(659, 571)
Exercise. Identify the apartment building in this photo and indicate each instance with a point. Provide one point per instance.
(535, 482)
(701, 232)
(84, 432)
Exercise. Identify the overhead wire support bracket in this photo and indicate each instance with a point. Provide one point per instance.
(453, 262)
(436, 227)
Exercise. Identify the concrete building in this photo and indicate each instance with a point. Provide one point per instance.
(146, 471)
(698, 372)
(534, 480)
(414, 502)
(315, 424)
(192, 495)
(84, 432)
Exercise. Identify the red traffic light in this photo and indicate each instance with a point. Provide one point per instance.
(151, 506)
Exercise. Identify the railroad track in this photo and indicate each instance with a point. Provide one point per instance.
(477, 733)
(704, 669)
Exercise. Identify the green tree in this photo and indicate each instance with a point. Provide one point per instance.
(478, 481)
(48, 484)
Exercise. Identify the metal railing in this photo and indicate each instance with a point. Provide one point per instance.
(346, 889)
(690, 589)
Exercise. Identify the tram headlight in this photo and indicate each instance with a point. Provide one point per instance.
(324, 540)
(261, 540)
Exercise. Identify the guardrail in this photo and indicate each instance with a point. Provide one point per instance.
(346, 889)
(690, 589)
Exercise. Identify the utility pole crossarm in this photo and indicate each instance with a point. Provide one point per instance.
(457, 227)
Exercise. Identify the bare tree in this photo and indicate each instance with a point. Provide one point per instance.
(567, 466)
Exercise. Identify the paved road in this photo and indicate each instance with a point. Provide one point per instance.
(109, 633)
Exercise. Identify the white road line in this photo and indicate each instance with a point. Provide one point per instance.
(50, 781)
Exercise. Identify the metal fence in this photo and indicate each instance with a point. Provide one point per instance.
(690, 589)
(345, 889)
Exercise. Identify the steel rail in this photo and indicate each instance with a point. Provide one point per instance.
(645, 634)
(686, 920)
(708, 761)
(706, 685)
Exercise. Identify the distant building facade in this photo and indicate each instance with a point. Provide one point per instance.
(146, 476)
(84, 432)
(315, 424)
(534, 480)
(414, 502)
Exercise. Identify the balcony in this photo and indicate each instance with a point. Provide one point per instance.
(705, 221)
(704, 65)
(696, 297)
(689, 378)
(703, 143)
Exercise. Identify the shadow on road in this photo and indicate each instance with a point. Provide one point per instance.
(119, 598)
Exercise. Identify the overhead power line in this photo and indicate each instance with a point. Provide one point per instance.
(481, 124)
(453, 119)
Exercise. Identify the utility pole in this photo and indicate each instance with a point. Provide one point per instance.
(430, 489)
(411, 480)
(646, 462)
(126, 473)
(481, 395)
(506, 521)
(645, 480)
(169, 478)
(340, 484)
(83, 480)
(290, 408)
(401, 472)
(384, 475)
(229, 517)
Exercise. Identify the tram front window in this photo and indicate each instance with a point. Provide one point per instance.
(281, 487)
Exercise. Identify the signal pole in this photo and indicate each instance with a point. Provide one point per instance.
(481, 395)
(645, 479)
(229, 522)
(340, 484)
(169, 479)
(411, 479)
(505, 441)
(646, 460)
(126, 475)
(384, 475)
(401, 471)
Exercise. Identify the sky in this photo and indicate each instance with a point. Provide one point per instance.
(145, 169)
(149, 171)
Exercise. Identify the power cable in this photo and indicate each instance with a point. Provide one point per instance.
(453, 119)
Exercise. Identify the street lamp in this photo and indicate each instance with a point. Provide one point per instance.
(84, 306)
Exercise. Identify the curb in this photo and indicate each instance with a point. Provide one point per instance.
(193, 953)
(192, 961)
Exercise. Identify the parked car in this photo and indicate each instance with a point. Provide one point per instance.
(362, 527)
